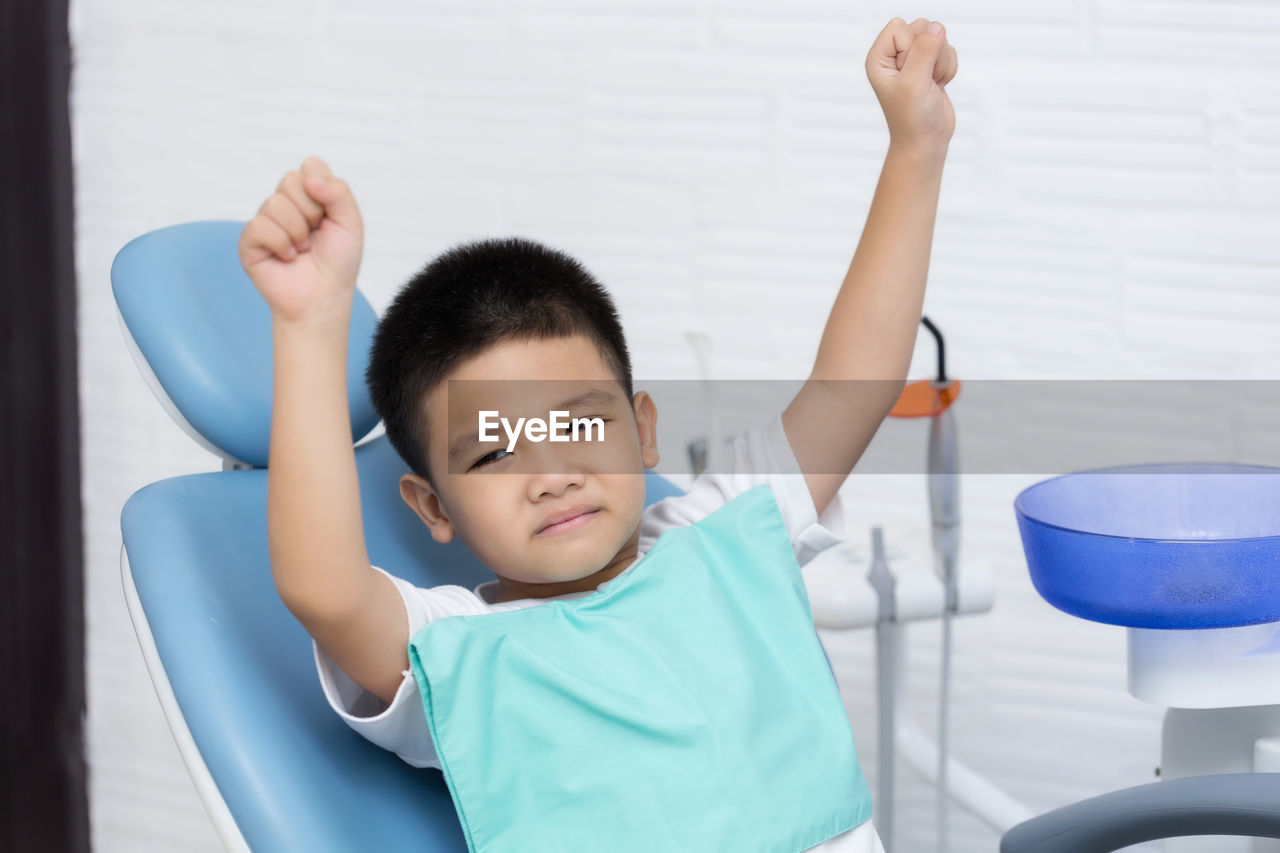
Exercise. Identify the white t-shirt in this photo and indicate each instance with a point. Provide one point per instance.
(755, 457)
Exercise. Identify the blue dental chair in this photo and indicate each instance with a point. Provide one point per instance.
(276, 769)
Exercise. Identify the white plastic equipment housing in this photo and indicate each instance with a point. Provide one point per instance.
(1206, 667)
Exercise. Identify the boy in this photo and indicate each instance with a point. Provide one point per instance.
(568, 518)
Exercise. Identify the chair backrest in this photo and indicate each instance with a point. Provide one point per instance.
(201, 335)
(282, 771)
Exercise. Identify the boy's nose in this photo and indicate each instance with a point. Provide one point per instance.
(553, 484)
(551, 468)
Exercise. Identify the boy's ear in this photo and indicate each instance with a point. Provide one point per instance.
(647, 424)
(423, 500)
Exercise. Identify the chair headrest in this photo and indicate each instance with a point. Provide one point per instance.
(201, 335)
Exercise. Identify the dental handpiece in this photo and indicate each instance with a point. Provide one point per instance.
(944, 498)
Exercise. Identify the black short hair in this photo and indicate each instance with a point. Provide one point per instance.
(469, 298)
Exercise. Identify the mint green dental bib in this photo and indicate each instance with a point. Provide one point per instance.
(685, 705)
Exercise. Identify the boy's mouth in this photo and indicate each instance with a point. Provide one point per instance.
(566, 520)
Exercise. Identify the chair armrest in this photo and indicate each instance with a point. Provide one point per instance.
(1246, 804)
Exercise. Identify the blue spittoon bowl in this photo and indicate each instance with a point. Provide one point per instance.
(1177, 545)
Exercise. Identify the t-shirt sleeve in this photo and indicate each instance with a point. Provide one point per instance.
(756, 456)
(400, 727)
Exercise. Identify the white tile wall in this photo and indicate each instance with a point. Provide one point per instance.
(1108, 211)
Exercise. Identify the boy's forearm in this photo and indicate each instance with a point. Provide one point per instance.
(314, 521)
(872, 328)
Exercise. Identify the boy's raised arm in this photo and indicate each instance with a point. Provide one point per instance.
(302, 251)
(866, 347)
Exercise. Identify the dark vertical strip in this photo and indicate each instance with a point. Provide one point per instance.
(43, 802)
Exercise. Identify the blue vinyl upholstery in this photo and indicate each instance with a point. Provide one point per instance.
(206, 335)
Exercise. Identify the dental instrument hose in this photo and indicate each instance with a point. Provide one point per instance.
(944, 508)
(883, 582)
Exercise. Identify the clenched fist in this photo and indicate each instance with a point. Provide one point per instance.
(302, 249)
(908, 66)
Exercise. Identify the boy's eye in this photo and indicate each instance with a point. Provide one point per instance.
(486, 459)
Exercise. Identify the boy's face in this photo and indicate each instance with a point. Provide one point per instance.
(499, 502)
